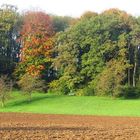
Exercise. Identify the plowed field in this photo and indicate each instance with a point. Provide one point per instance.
(19, 126)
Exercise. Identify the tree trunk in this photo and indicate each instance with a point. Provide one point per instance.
(129, 80)
(129, 83)
(2, 103)
(134, 75)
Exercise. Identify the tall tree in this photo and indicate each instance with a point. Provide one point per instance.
(88, 14)
(9, 32)
(89, 49)
(135, 54)
(36, 40)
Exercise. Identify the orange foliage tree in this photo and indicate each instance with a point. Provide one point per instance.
(36, 41)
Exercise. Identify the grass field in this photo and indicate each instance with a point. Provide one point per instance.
(85, 105)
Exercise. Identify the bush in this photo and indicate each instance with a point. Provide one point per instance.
(60, 86)
(5, 89)
(87, 91)
(130, 92)
(29, 84)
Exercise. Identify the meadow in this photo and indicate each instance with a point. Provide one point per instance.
(76, 105)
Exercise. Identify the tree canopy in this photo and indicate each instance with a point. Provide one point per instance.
(96, 54)
(9, 32)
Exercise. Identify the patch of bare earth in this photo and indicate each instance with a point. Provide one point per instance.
(18, 126)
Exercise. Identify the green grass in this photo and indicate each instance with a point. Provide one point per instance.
(85, 105)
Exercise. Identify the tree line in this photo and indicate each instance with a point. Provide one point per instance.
(96, 54)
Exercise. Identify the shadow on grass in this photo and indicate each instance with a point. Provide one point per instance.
(129, 98)
(25, 101)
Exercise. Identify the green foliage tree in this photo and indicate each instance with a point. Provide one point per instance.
(111, 78)
(5, 89)
(88, 14)
(30, 84)
(61, 23)
(96, 49)
(10, 22)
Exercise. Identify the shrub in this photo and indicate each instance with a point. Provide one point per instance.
(130, 92)
(87, 91)
(5, 89)
(29, 84)
(60, 86)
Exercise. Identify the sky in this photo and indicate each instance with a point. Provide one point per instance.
(75, 8)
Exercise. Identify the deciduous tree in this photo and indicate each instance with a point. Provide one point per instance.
(36, 40)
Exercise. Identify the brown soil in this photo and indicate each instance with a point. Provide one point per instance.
(18, 126)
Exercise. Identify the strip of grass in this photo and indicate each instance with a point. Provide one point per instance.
(85, 105)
